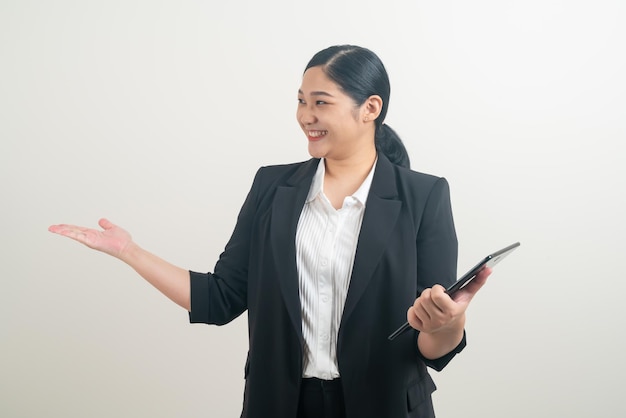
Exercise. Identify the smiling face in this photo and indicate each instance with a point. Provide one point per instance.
(335, 126)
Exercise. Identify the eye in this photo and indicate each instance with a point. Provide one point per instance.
(300, 101)
(320, 102)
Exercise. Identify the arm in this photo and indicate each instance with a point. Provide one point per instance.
(439, 319)
(169, 279)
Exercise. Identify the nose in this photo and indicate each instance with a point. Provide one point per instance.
(306, 115)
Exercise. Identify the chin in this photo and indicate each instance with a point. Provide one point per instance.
(316, 152)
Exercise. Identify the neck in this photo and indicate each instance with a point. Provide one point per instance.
(357, 165)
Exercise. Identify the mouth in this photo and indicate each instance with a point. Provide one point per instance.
(316, 135)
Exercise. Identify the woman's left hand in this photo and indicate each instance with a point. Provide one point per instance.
(441, 318)
(435, 311)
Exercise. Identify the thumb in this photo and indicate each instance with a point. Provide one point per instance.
(105, 224)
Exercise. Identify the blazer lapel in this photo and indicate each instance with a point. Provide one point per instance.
(381, 213)
(286, 208)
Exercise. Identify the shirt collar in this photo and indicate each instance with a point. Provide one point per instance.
(317, 185)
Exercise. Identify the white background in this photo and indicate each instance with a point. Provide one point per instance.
(156, 114)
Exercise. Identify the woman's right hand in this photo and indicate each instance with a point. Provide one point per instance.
(112, 240)
(169, 279)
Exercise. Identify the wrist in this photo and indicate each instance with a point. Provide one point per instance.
(129, 252)
(436, 344)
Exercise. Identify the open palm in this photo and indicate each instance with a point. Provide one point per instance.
(111, 240)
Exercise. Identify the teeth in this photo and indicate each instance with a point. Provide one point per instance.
(316, 134)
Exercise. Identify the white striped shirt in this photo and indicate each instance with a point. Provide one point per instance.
(326, 241)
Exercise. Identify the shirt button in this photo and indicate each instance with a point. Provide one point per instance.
(324, 299)
(323, 262)
(324, 337)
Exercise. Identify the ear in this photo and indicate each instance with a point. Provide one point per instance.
(371, 108)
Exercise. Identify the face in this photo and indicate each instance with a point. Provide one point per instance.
(332, 122)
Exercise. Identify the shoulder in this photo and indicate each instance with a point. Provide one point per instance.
(393, 181)
(423, 192)
(272, 176)
(387, 171)
(417, 180)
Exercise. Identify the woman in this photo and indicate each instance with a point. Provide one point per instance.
(326, 256)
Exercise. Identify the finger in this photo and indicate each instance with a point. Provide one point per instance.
(425, 302)
(105, 223)
(440, 299)
(66, 227)
(469, 291)
(426, 318)
(75, 232)
(424, 313)
(61, 228)
(414, 320)
(58, 228)
(484, 273)
(479, 281)
(425, 309)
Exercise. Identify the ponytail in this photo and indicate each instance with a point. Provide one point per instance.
(389, 143)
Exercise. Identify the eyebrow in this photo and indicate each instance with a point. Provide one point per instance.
(317, 93)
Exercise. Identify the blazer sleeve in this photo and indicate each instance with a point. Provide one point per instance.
(219, 297)
(437, 252)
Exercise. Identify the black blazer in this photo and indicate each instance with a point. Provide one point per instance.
(407, 243)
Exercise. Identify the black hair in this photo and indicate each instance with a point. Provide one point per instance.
(360, 74)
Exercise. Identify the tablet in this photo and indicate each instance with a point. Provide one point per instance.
(489, 261)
